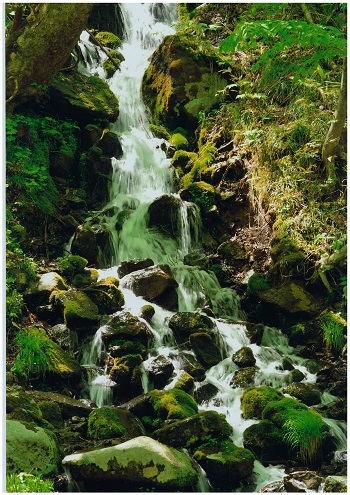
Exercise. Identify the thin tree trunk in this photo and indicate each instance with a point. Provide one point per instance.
(307, 13)
(331, 142)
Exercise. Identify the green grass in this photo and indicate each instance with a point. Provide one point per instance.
(28, 483)
(333, 333)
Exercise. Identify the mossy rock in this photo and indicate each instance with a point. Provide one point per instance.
(16, 398)
(159, 131)
(291, 297)
(72, 265)
(84, 242)
(107, 297)
(147, 312)
(307, 393)
(278, 411)
(79, 312)
(183, 324)
(206, 156)
(172, 404)
(120, 347)
(178, 141)
(336, 484)
(205, 348)
(183, 160)
(295, 376)
(265, 440)
(108, 39)
(52, 413)
(196, 430)
(109, 67)
(29, 417)
(244, 377)
(104, 423)
(82, 98)
(87, 277)
(203, 194)
(244, 357)
(123, 367)
(255, 399)
(225, 464)
(185, 382)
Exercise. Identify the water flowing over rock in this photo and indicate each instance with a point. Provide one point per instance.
(141, 461)
(125, 325)
(155, 284)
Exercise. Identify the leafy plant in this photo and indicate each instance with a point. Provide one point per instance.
(333, 333)
(28, 483)
(304, 431)
(33, 355)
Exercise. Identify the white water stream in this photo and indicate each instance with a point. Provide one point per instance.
(141, 175)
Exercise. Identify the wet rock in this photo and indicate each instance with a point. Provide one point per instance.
(17, 397)
(244, 377)
(51, 412)
(107, 297)
(287, 364)
(83, 99)
(186, 383)
(184, 324)
(335, 410)
(204, 392)
(155, 284)
(141, 461)
(265, 440)
(296, 376)
(124, 325)
(129, 266)
(160, 370)
(255, 399)
(165, 215)
(205, 348)
(302, 481)
(194, 431)
(69, 407)
(254, 332)
(113, 422)
(244, 357)
(335, 484)
(77, 309)
(292, 298)
(64, 337)
(39, 293)
(190, 365)
(126, 373)
(275, 487)
(84, 243)
(147, 312)
(225, 464)
(85, 278)
(307, 393)
(110, 145)
(29, 447)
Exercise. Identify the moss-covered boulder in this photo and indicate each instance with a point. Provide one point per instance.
(147, 312)
(120, 347)
(203, 194)
(16, 398)
(83, 99)
(70, 266)
(244, 377)
(111, 67)
(291, 297)
(52, 413)
(164, 214)
(29, 417)
(107, 297)
(184, 324)
(265, 440)
(108, 422)
(140, 462)
(185, 382)
(85, 278)
(205, 348)
(255, 399)
(183, 160)
(172, 404)
(196, 430)
(278, 411)
(108, 39)
(225, 464)
(126, 373)
(338, 484)
(30, 448)
(244, 357)
(79, 312)
(307, 393)
(133, 265)
(84, 243)
(38, 294)
(180, 82)
(123, 326)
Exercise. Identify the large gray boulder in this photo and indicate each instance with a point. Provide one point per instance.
(30, 448)
(141, 462)
(156, 284)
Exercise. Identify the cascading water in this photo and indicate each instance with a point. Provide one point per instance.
(141, 175)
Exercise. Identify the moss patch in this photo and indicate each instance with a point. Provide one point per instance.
(173, 404)
(255, 399)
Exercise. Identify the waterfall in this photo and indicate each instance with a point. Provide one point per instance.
(140, 176)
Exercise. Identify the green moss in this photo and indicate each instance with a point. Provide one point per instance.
(255, 399)
(184, 160)
(256, 283)
(178, 141)
(206, 157)
(147, 312)
(104, 423)
(278, 411)
(72, 265)
(263, 436)
(203, 194)
(159, 131)
(52, 413)
(29, 417)
(108, 39)
(79, 309)
(110, 67)
(173, 404)
(333, 327)
(128, 348)
(185, 383)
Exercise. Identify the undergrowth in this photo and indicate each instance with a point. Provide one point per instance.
(28, 483)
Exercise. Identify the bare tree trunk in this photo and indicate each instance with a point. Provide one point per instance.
(40, 47)
(331, 142)
(307, 13)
